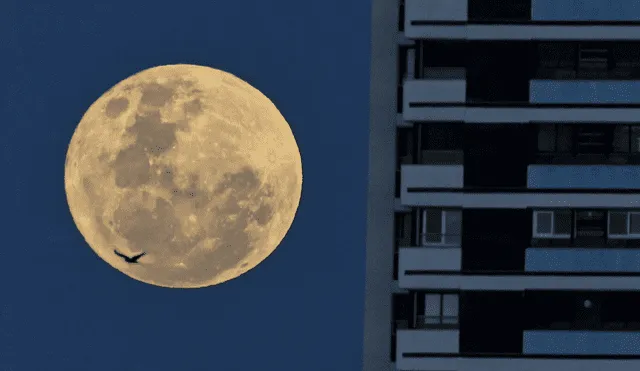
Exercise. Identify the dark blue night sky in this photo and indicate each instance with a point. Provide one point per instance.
(62, 308)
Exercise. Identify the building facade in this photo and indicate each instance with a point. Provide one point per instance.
(504, 195)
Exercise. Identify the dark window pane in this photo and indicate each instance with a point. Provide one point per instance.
(434, 221)
(455, 136)
(634, 228)
(441, 137)
(404, 147)
(453, 220)
(564, 138)
(621, 139)
(434, 226)
(618, 223)
(446, 54)
(635, 139)
(562, 222)
(543, 220)
(546, 138)
(437, 137)
(403, 229)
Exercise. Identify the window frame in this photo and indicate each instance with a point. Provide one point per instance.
(443, 229)
(628, 235)
(551, 235)
(441, 318)
(634, 133)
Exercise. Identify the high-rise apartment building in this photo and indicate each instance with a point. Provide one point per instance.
(504, 199)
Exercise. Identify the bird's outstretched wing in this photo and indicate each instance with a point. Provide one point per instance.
(120, 254)
(139, 256)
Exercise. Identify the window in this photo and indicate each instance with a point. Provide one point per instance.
(441, 137)
(546, 138)
(404, 147)
(404, 154)
(403, 224)
(499, 10)
(405, 231)
(626, 57)
(440, 143)
(556, 60)
(441, 227)
(635, 139)
(594, 57)
(552, 224)
(624, 224)
(621, 139)
(555, 138)
(440, 309)
(591, 225)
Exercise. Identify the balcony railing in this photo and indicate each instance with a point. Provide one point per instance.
(586, 243)
(571, 73)
(440, 240)
(430, 240)
(433, 157)
(441, 157)
(567, 158)
(443, 73)
(454, 240)
(597, 326)
(439, 322)
(427, 322)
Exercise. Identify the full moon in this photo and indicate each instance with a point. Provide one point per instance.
(188, 164)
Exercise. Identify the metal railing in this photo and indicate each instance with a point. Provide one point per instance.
(433, 157)
(572, 73)
(568, 158)
(439, 239)
(597, 326)
(423, 321)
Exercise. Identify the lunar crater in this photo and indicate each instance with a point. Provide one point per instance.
(156, 95)
(116, 107)
(131, 167)
(155, 136)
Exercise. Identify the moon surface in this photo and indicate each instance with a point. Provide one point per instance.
(189, 164)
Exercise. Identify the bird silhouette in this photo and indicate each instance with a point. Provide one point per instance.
(130, 260)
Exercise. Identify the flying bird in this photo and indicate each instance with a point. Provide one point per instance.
(130, 260)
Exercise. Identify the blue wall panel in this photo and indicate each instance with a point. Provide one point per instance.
(581, 342)
(583, 176)
(576, 10)
(556, 259)
(582, 91)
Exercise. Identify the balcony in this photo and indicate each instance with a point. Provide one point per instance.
(601, 329)
(430, 100)
(429, 341)
(589, 147)
(430, 258)
(475, 82)
(518, 198)
(565, 259)
(436, 176)
(519, 20)
(436, 350)
(517, 281)
(446, 87)
(429, 154)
